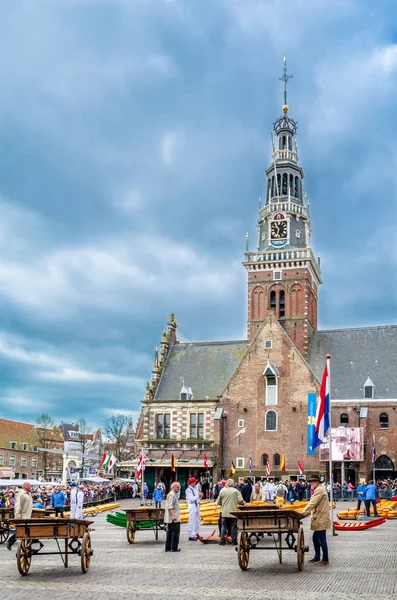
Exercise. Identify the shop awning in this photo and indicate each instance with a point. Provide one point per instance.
(4, 474)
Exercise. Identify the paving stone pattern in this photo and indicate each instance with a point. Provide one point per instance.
(362, 565)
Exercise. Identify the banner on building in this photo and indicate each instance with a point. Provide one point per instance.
(311, 421)
(347, 445)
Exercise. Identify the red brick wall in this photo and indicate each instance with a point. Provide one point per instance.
(247, 391)
(300, 317)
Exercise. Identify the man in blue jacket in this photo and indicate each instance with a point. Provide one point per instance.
(58, 501)
(361, 491)
(370, 498)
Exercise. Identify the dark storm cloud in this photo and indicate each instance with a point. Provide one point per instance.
(134, 138)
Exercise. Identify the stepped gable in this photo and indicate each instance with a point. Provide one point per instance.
(205, 367)
(357, 354)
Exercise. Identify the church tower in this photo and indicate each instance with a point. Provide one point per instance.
(283, 273)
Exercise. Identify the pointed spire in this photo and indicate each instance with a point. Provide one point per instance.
(285, 78)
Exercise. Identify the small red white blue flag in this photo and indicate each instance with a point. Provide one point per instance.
(323, 412)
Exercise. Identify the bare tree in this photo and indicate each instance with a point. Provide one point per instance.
(48, 436)
(118, 429)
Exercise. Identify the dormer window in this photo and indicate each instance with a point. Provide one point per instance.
(186, 393)
(369, 389)
(271, 375)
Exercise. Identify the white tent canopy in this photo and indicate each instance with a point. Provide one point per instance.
(20, 482)
(94, 479)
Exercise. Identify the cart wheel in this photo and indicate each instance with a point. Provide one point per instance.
(85, 552)
(130, 532)
(4, 533)
(300, 549)
(243, 551)
(24, 557)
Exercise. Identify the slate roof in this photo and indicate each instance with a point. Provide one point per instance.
(357, 354)
(206, 367)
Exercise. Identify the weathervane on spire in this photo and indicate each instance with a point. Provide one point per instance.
(285, 78)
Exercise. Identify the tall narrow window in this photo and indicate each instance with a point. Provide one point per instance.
(197, 426)
(384, 421)
(291, 185)
(265, 459)
(369, 388)
(271, 391)
(285, 184)
(281, 304)
(273, 194)
(271, 420)
(296, 191)
(163, 426)
(276, 460)
(272, 299)
(278, 184)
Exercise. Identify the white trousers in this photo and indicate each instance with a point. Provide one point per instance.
(193, 526)
(79, 512)
(73, 508)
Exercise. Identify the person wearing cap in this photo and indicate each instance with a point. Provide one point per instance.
(229, 498)
(318, 508)
(256, 495)
(73, 500)
(79, 502)
(193, 497)
(22, 510)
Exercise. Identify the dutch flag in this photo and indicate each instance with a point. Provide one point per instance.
(323, 411)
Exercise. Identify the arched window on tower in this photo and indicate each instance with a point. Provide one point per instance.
(289, 143)
(383, 421)
(265, 459)
(285, 184)
(281, 304)
(273, 194)
(272, 303)
(291, 185)
(271, 420)
(276, 460)
(284, 143)
(344, 420)
(296, 190)
(278, 191)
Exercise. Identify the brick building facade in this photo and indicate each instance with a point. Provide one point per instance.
(257, 389)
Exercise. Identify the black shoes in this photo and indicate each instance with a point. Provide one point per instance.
(192, 539)
(222, 543)
(176, 550)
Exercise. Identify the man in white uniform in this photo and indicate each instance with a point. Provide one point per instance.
(73, 501)
(193, 497)
(79, 503)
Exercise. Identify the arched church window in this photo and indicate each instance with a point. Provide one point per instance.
(284, 143)
(271, 420)
(272, 299)
(384, 463)
(285, 184)
(289, 143)
(281, 304)
(344, 420)
(384, 421)
(276, 460)
(296, 190)
(265, 459)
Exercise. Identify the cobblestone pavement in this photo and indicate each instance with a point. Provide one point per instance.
(362, 565)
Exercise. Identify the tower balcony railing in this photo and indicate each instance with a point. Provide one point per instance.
(285, 155)
(279, 205)
(275, 258)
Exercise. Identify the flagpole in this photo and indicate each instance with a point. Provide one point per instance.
(328, 357)
(373, 457)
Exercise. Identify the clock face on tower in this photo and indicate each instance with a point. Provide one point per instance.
(278, 230)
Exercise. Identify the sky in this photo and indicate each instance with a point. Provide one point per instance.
(134, 135)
